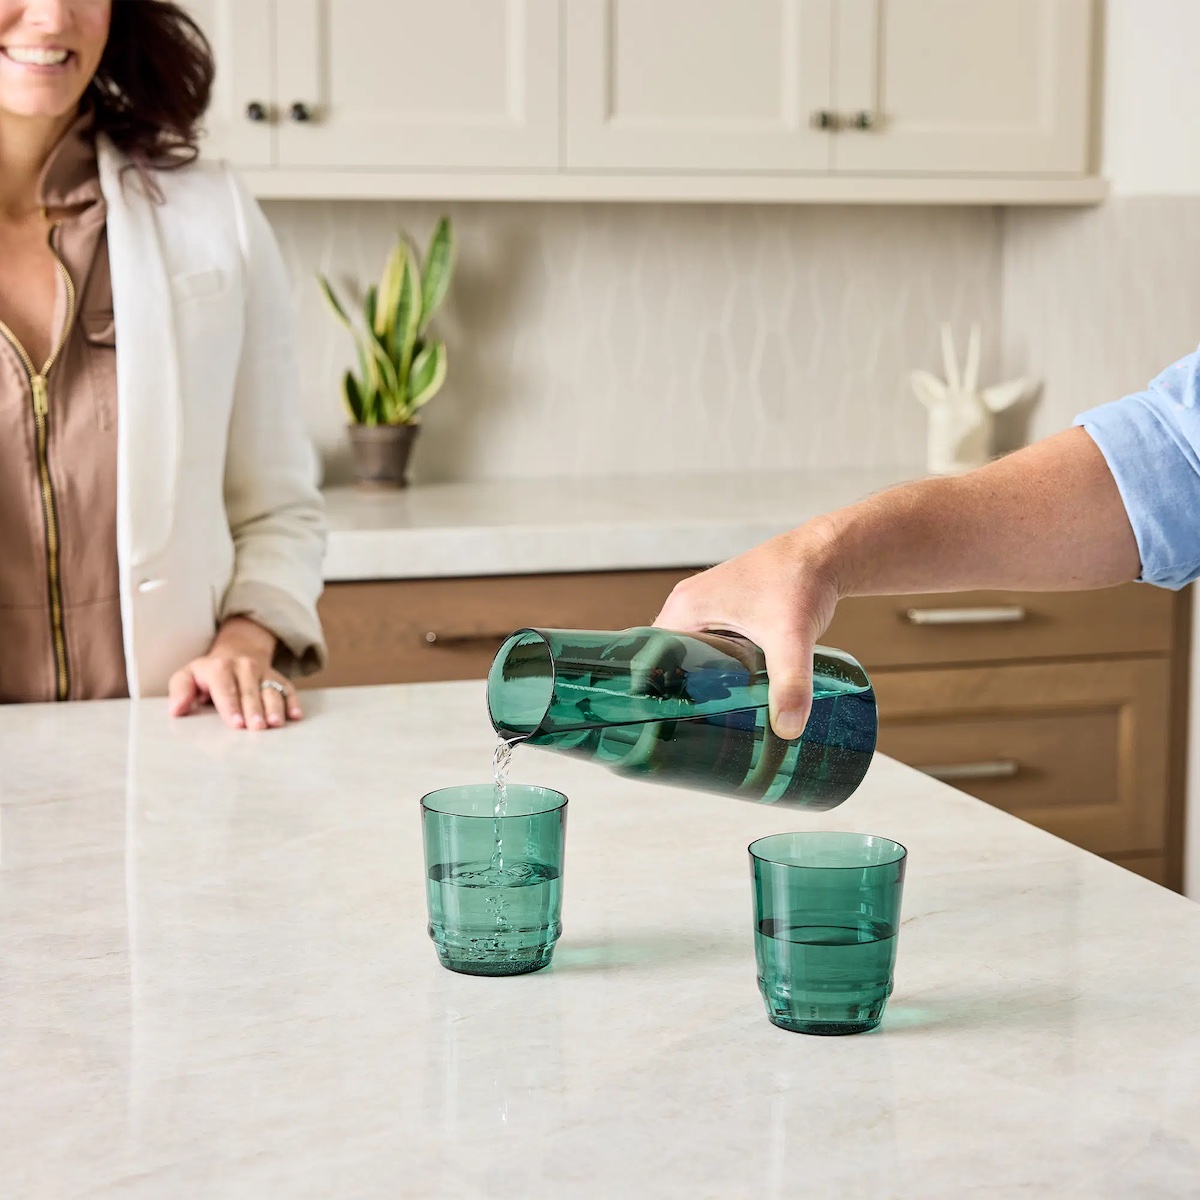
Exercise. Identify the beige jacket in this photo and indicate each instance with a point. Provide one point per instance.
(218, 510)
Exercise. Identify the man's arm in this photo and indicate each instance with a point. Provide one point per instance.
(1049, 517)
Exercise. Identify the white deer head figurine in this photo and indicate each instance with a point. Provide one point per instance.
(961, 417)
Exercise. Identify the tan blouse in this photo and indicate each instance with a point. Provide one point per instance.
(60, 614)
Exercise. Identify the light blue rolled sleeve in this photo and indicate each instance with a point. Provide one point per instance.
(1151, 442)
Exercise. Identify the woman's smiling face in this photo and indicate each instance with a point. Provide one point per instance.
(49, 51)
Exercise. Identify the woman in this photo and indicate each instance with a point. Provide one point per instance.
(161, 528)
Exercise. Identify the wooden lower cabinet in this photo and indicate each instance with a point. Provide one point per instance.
(1065, 709)
(424, 630)
(1080, 749)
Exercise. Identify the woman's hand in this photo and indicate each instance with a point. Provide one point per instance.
(235, 676)
(781, 595)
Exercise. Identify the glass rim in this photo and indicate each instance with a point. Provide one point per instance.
(514, 639)
(426, 806)
(900, 851)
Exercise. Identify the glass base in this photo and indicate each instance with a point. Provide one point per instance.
(494, 964)
(823, 1028)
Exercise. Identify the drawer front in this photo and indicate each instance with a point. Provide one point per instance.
(422, 630)
(976, 627)
(1079, 749)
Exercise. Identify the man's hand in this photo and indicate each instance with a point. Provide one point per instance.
(235, 676)
(781, 595)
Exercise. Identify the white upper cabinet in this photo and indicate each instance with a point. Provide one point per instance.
(697, 85)
(239, 122)
(944, 101)
(418, 84)
(963, 86)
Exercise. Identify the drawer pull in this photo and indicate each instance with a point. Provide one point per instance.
(1002, 768)
(465, 639)
(1005, 615)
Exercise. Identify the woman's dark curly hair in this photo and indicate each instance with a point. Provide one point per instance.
(153, 84)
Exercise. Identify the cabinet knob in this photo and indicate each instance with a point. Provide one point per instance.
(863, 120)
(824, 119)
(256, 111)
(300, 112)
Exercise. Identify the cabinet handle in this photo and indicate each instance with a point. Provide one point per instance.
(256, 111)
(864, 119)
(300, 112)
(1002, 768)
(1004, 615)
(824, 119)
(465, 639)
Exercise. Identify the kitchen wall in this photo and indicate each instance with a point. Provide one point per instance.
(1097, 301)
(601, 339)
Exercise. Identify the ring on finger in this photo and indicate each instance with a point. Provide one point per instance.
(275, 686)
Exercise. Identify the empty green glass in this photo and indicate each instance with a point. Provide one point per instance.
(826, 916)
(494, 883)
(684, 709)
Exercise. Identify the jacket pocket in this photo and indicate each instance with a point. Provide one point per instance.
(192, 284)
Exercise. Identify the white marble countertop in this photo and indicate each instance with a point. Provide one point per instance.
(543, 525)
(215, 981)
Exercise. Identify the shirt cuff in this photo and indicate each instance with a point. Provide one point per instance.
(301, 649)
(1158, 486)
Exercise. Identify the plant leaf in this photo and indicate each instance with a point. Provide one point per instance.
(369, 307)
(389, 380)
(389, 290)
(428, 375)
(353, 398)
(408, 320)
(439, 265)
(382, 372)
(373, 407)
(333, 302)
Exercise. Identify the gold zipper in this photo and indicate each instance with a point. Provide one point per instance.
(38, 383)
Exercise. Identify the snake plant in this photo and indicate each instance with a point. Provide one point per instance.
(399, 368)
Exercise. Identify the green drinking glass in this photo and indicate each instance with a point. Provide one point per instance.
(683, 709)
(494, 879)
(826, 917)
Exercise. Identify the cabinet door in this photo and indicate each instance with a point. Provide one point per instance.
(1077, 748)
(241, 33)
(418, 84)
(964, 86)
(699, 85)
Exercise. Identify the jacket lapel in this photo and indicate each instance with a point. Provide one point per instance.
(148, 395)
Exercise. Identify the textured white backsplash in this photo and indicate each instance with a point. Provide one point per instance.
(611, 339)
(1098, 301)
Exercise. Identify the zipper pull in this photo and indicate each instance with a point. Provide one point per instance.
(41, 404)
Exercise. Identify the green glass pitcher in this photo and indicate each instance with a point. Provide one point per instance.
(683, 709)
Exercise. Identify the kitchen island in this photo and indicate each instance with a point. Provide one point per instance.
(215, 980)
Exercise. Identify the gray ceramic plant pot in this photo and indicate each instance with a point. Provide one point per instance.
(381, 454)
